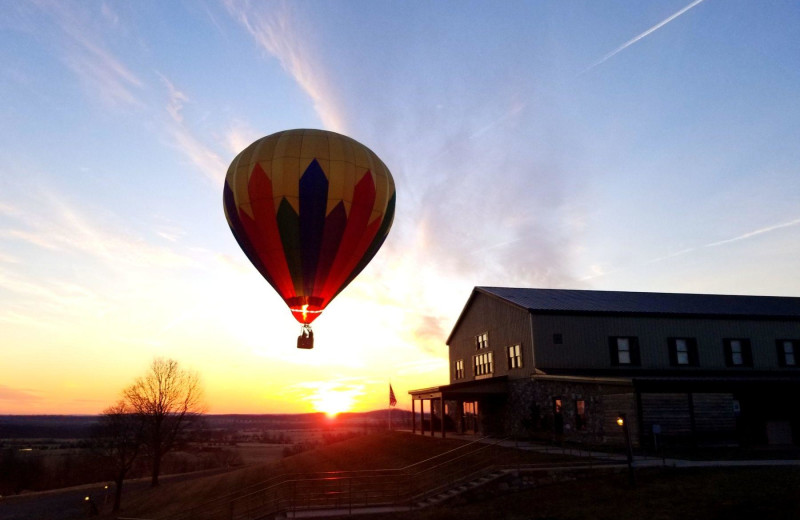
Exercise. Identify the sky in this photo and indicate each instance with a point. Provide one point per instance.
(613, 145)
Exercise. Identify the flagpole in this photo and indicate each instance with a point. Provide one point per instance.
(392, 403)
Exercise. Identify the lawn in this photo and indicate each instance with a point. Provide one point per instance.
(660, 494)
(389, 450)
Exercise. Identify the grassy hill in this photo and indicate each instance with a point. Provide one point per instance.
(668, 493)
(388, 450)
(660, 494)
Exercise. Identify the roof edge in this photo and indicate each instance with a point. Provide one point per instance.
(482, 290)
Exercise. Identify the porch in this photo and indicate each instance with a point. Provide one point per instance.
(474, 402)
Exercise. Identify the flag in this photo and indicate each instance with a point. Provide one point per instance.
(392, 398)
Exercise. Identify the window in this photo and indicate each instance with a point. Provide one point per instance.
(482, 364)
(682, 352)
(515, 356)
(482, 341)
(624, 350)
(558, 339)
(459, 369)
(580, 414)
(738, 353)
(787, 352)
(558, 416)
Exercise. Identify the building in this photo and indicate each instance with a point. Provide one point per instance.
(564, 364)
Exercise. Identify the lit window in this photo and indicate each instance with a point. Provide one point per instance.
(482, 364)
(460, 369)
(515, 356)
(482, 341)
(580, 414)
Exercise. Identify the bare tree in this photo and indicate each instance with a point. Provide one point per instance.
(120, 434)
(167, 399)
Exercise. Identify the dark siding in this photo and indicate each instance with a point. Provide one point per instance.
(670, 411)
(586, 344)
(506, 324)
(714, 413)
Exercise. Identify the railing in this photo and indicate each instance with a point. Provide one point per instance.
(346, 490)
(336, 489)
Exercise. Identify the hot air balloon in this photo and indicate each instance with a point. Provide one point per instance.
(309, 208)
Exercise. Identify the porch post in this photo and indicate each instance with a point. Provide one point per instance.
(413, 416)
(441, 402)
(433, 430)
(422, 416)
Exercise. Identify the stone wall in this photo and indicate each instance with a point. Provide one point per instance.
(530, 411)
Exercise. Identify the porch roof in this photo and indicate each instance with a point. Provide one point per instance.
(463, 391)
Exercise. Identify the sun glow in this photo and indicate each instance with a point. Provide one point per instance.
(334, 402)
(333, 399)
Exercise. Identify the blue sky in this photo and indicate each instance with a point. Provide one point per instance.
(646, 146)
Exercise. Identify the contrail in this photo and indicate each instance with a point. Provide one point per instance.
(686, 251)
(649, 31)
(754, 233)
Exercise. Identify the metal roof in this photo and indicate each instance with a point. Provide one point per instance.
(578, 301)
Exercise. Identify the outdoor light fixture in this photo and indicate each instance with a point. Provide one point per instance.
(628, 446)
(86, 499)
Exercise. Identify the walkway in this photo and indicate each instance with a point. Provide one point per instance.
(639, 461)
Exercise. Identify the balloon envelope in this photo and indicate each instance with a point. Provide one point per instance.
(309, 208)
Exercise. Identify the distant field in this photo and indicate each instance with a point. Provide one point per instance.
(42, 452)
(255, 453)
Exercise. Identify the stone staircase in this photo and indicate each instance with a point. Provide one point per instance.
(462, 488)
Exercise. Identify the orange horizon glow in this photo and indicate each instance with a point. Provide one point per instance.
(333, 401)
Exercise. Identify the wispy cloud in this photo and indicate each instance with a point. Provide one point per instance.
(274, 26)
(430, 328)
(184, 139)
(424, 365)
(648, 32)
(599, 272)
(208, 161)
(176, 99)
(8, 259)
(40, 302)
(239, 136)
(52, 224)
(330, 396)
(8, 393)
(84, 52)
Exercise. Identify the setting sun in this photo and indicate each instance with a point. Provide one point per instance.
(334, 401)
